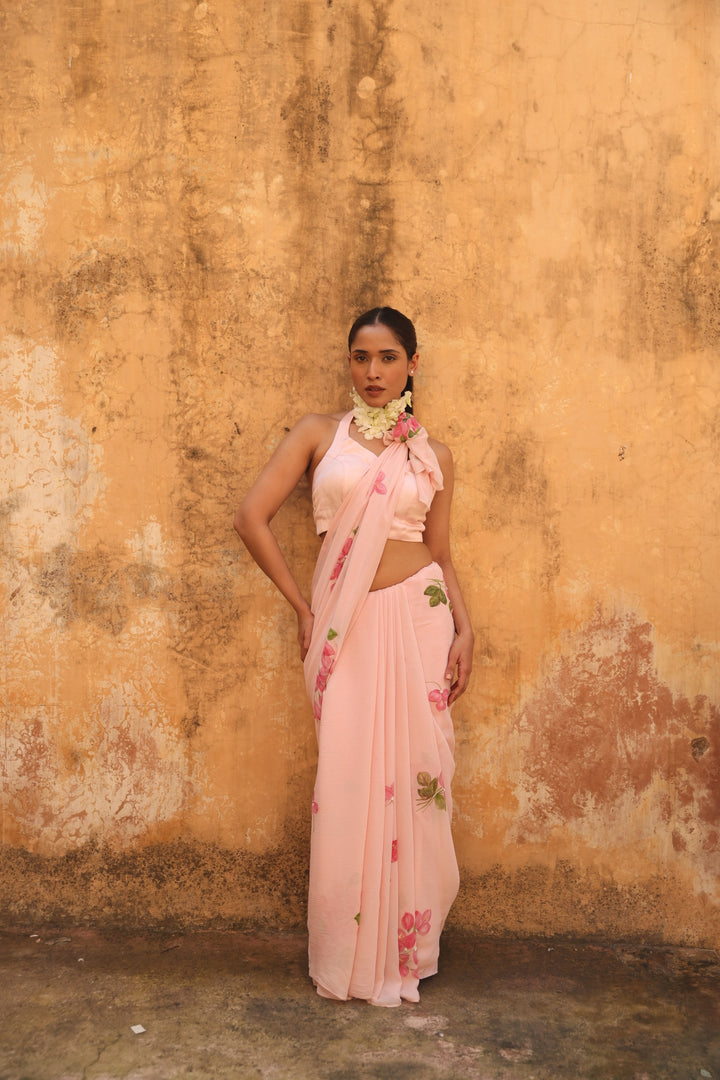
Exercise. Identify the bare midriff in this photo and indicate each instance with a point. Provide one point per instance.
(400, 559)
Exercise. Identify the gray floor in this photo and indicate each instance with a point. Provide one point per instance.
(239, 1005)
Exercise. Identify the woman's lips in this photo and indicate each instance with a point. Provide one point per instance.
(374, 389)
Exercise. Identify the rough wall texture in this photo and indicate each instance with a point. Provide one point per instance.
(195, 202)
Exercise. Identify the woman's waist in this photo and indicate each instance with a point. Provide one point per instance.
(400, 559)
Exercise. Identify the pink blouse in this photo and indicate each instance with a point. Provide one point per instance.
(339, 471)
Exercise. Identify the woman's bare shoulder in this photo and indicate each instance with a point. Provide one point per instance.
(314, 433)
(442, 453)
(322, 418)
(319, 424)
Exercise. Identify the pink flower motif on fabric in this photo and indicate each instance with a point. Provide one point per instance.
(405, 428)
(378, 486)
(314, 806)
(393, 851)
(327, 662)
(439, 698)
(422, 921)
(341, 560)
(389, 794)
(327, 658)
(410, 926)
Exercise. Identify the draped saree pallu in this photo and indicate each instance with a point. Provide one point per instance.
(383, 873)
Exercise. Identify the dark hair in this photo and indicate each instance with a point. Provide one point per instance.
(400, 325)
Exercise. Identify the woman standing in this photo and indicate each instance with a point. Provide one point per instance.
(387, 646)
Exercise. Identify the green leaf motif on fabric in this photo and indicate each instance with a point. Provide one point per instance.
(430, 790)
(332, 634)
(357, 918)
(436, 592)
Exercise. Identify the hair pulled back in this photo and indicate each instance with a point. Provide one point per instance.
(395, 321)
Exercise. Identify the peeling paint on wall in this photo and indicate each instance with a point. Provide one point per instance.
(64, 786)
(609, 751)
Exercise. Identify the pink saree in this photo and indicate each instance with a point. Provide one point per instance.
(383, 873)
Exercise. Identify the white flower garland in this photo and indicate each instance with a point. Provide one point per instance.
(374, 422)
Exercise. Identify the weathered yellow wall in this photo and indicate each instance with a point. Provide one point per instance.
(196, 200)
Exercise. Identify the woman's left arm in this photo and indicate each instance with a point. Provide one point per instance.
(437, 538)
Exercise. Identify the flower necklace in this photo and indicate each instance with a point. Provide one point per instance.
(373, 422)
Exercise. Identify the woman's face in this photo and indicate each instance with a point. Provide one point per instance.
(379, 365)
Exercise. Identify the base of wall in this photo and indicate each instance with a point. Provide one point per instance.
(175, 885)
(564, 901)
(184, 885)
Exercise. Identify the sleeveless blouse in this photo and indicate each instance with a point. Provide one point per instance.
(344, 464)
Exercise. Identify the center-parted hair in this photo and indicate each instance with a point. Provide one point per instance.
(399, 324)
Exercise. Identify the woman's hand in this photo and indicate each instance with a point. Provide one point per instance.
(460, 657)
(305, 627)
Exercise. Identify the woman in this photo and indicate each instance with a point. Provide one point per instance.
(387, 646)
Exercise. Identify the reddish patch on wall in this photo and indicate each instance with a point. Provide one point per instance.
(603, 724)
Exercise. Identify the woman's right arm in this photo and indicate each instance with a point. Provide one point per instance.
(277, 480)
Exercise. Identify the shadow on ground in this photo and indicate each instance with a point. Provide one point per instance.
(237, 1005)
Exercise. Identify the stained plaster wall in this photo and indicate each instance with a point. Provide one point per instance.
(195, 201)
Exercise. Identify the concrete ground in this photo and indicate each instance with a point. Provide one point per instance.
(239, 1005)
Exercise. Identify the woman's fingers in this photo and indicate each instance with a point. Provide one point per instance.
(460, 657)
(305, 628)
(453, 659)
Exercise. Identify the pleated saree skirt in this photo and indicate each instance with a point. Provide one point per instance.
(383, 872)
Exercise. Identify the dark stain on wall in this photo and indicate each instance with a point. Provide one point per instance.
(369, 37)
(96, 586)
(518, 497)
(86, 45)
(700, 747)
(205, 587)
(603, 725)
(379, 126)
(91, 291)
(8, 506)
(306, 113)
(656, 280)
(517, 486)
(668, 290)
(176, 884)
(701, 283)
(566, 901)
